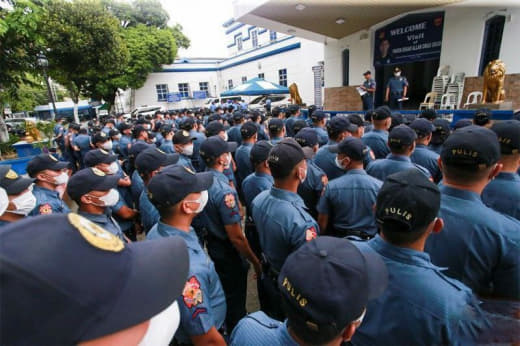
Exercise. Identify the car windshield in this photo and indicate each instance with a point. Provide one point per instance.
(257, 100)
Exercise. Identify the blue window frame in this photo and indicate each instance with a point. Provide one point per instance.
(162, 92)
(184, 90)
(282, 77)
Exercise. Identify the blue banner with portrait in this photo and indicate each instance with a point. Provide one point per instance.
(415, 37)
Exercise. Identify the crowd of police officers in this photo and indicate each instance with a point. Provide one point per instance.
(375, 229)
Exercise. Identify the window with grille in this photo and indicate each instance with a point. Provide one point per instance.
(162, 92)
(184, 90)
(254, 38)
(272, 35)
(230, 84)
(244, 79)
(239, 42)
(282, 77)
(261, 75)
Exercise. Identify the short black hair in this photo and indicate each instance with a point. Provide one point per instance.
(392, 231)
(399, 149)
(464, 175)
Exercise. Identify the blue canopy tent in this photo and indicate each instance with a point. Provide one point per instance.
(256, 86)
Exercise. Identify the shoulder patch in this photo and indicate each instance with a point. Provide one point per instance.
(192, 294)
(45, 209)
(310, 233)
(96, 235)
(229, 200)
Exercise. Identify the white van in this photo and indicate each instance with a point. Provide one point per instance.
(280, 100)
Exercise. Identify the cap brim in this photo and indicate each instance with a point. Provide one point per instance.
(59, 166)
(308, 152)
(109, 159)
(158, 273)
(171, 159)
(109, 182)
(352, 128)
(333, 148)
(377, 274)
(231, 147)
(204, 181)
(18, 186)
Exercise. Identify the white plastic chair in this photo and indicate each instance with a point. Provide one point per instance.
(473, 97)
(429, 101)
(448, 101)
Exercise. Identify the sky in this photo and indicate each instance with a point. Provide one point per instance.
(202, 22)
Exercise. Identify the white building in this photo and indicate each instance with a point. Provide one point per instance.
(253, 52)
(424, 34)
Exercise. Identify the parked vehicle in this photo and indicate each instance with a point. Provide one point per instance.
(281, 100)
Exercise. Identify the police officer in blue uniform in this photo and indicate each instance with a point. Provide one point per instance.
(478, 245)
(357, 120)
(314, 184)
(49, 175)
(69, 272)
(95, 192)
(276, 130)
(280, 216)
(325, 287)
(346, 207)
(234, 132)
(18, 191)
(440, 134)
(422, 155)
(294, 114)
(319, 121)
(126, 139)
(183, 144)
(503, 192)
(115, 136)
(81, 145)
(396, 89)
(377, 138)
(167, 143)
(369, 86)
(402, 144)
(180, 195)
(227, 245)
(421, 304)
(249, 133)
(190, 125)
(338, 128)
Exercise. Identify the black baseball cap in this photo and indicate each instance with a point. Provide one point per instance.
(100, 137)
(215, 146)
(275, 124)
(367, 72)
(397, 119)
(441, 132)
(298, 125)
(67, 280)
(174, 183)
(327, 283)
(275, 111)
(214, 117)
(14, 184)
(340, 123)
(318, 115)
(214, 128)
(42, 162)
(182, 137)
(187, 123)
(307, 137)
(97, 156)
(285, 156)
(113, 132)
(90, 179)
(407, 202)
(151, 159)
(429, 114)
(408, 118)
(138, 147)
(260, 151)
(356, 120)
(293, 109)
(471, 146)
(124, 126)
(482, 116)
(462, 123)
(138, 129)
(238, 116)
(352, 147)
(508, 133)
(248, 130)
(4, 169)
(381, 113)
(422, 127)
(401, 135)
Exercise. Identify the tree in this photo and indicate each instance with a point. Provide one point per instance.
(85, 45)
(26, 95)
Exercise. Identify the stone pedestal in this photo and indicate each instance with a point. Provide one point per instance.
(503, 106)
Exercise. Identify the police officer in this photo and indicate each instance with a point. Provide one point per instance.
(346, 207)
(503, 192)
(126, 139)
(294, 114)
(256, 118)
(402, 144)
(482, 117)
(249, 133)
(180, 195)
(369, 86)
(216, 128)
(319, 120)
(396, 89)
(190, 125)
(81, 145)
(227, 245)
(421, 303)
(361, 125)
(280, 216)
(59, 134)
(325, 286)
(234, 131)
(18, 192)
(183, 144)
(95, 192)
(148, 163)
(338, 128)
(115, 136)
(80, 283)
(314, 184)
(377, 138)
(167, 143)
(276, 130)
(101, 140)
(478, 245)
(422, 155)
(440, 134)
(49, 175)
(428, 114)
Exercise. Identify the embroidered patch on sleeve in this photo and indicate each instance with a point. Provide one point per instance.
(229, 200)
(310, 234)
(192, 294)
(45, 209)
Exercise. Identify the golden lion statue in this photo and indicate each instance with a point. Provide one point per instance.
(295, 95)
(31, 132)
(494, 76)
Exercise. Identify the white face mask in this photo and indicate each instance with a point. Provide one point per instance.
(225, 136)
(4, 201)
(303, 176)
(228, 162)
(202, 200)
(397, 74)
(338, 163)
(61, 179)
(107, 145)
(187, 150)
(162, 327)
(109, 200)
(113, 168)
(24, 203)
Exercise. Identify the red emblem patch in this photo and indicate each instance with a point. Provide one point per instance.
(310, 234)
(45, 209)
(229, 200)
(192, 294)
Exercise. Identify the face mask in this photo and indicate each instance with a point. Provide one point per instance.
(107, 145)
(61, 179)
(187, 150)
(303, 176)
(202, 200)
(24, 203)
(338, 163)
(113, 168)
(109, 200)
(397, 74)
(228, 162)
(162, 327)
(225, 136)
(4, 201)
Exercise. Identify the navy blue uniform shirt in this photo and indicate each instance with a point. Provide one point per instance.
(503, 194)
(377, 141)
(382, 168)
(427, 158)
(326, 160)
(253, 184)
